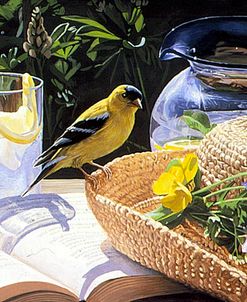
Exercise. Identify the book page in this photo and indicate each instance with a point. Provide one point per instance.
(61, 238)
(13, 271)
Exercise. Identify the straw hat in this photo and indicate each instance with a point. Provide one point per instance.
(223, 152)
(183, 254)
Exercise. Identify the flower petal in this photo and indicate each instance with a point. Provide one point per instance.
(178, 172)
(178, 200)
(171, 202)
(164, 183)
(183, 191)
(190, 166)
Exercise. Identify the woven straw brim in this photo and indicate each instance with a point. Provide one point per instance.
(182, 254)
(224, 151)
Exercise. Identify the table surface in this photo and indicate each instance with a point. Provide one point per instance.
(62, 186)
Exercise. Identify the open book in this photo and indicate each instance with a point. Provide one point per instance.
(53, 249)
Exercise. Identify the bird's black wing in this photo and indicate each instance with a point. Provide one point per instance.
(81, 130)
(74, 134)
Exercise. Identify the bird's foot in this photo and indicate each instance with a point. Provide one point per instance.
(93, 180)
(90, 178)
(106, 170)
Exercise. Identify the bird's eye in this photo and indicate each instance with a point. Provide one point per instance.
(124, 95)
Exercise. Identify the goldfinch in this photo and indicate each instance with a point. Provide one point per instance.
(98, 131)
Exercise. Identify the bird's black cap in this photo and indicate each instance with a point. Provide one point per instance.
(132, 93)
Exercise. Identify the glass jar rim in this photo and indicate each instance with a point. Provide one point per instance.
(20, 75)
(168, 51)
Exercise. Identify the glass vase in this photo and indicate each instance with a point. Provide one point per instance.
(215, 81)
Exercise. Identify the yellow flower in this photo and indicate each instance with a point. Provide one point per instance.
(172, 184)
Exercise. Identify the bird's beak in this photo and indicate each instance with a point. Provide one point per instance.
(137, 103)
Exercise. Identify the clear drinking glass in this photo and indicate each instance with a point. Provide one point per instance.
(21, 98)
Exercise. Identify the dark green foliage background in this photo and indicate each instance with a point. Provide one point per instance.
(89, 83)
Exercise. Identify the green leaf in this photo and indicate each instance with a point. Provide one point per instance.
(100, 34)
(12, 53)
(70, 50)
(213, 229)
(59, 31)
(57, 7)
(197, 210)
(62, 66)
(134, 15)
(11, 60)
(84, 29)
(242, 217)
(3, 65)
(116, 67)
(7, 10)
(91, 53)
(22, 57)
(159, 213)
(166, 216)
(197, 120)
(139, 24)
(198, 180)
(221, 196)
(173, 220)
(58, 46)
(115, 15)
(103, 66)
(173, 163)
(105, 45)
(64, 50)
(57, 84)
(126, 16)
(19, 30)
(87, 21)
(51, 5)
(213, 219)
(72, 71)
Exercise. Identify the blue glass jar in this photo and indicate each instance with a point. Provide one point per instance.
(215, 82)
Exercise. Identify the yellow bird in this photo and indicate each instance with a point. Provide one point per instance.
(98, 131)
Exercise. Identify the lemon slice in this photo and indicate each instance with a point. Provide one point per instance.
(22, 126)
(179, 145)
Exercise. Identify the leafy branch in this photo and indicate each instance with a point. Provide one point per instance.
(116, 38)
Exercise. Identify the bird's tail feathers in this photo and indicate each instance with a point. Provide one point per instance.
(44, 157)
(47, 170)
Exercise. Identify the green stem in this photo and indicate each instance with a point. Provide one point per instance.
(198, 219)
(167, 216)
(227, 231)
(43, 63)
(202, 214)
(229, 200)
(40, 69)
(223, 190)
(141, 82)
(235, 241)
(31, 67)
(216, 184)
(223, 227)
